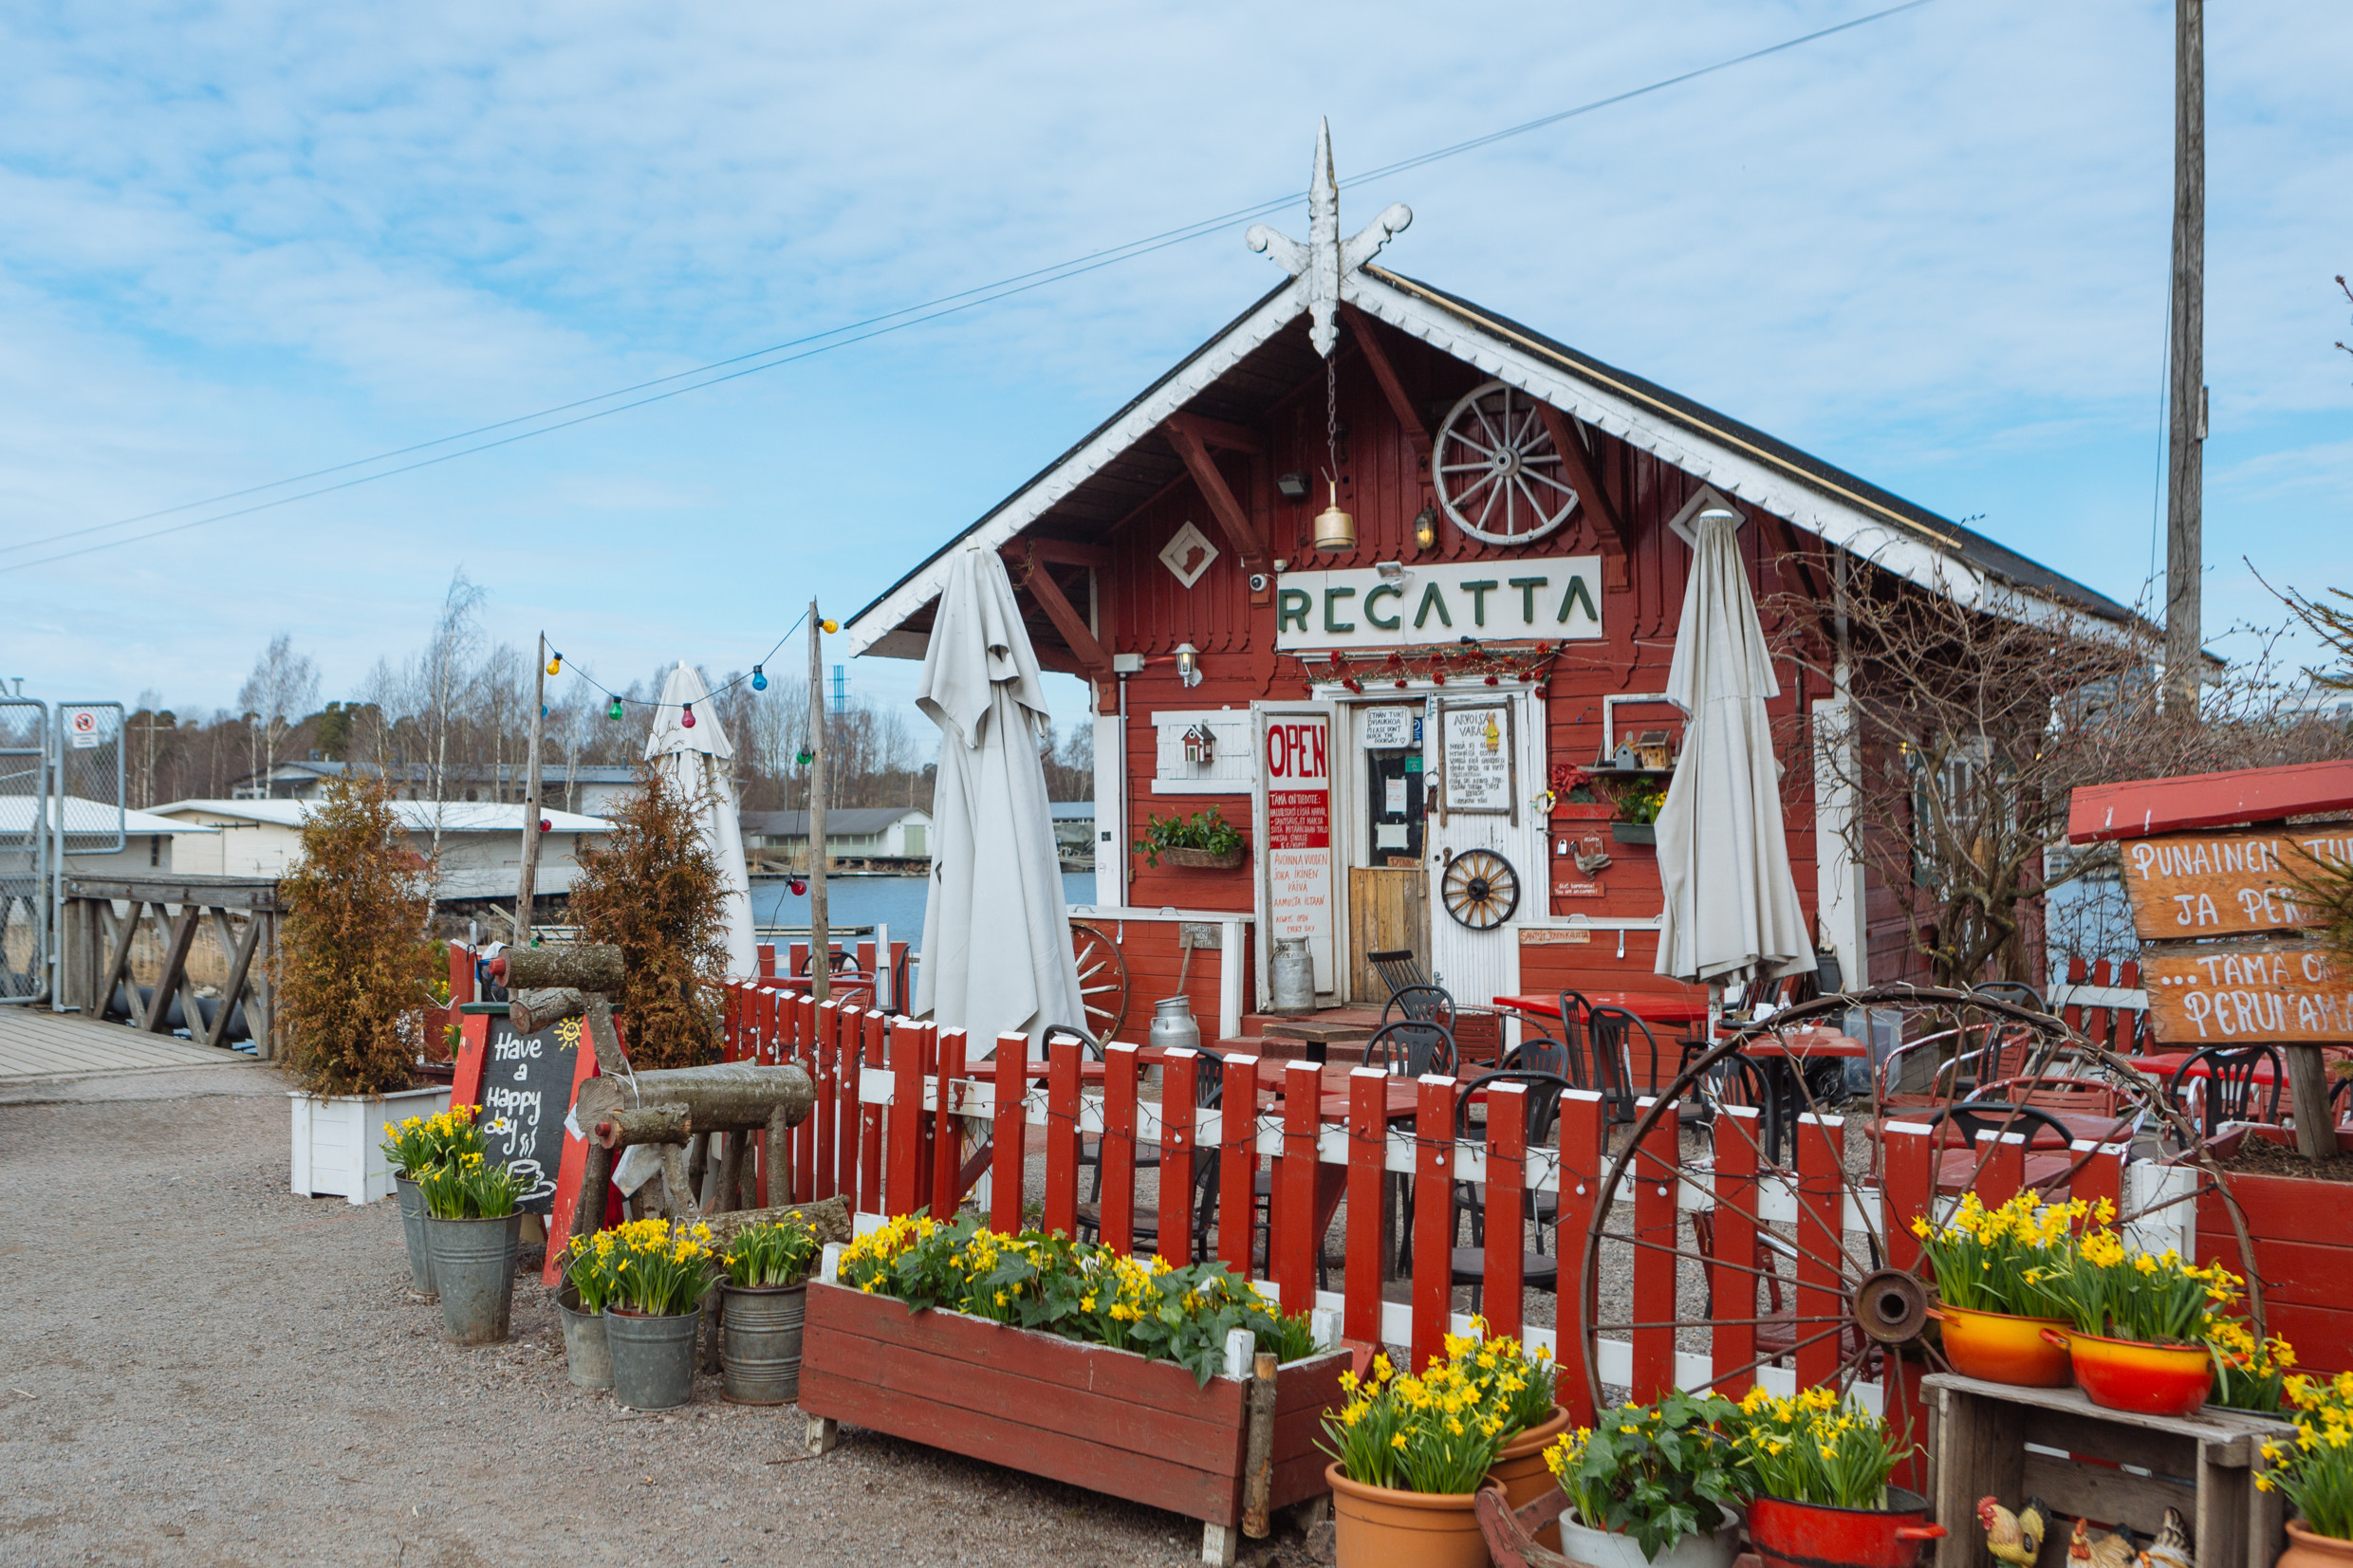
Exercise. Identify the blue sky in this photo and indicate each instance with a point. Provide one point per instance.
(243, 241)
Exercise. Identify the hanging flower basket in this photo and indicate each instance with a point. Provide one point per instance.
(1205, 859)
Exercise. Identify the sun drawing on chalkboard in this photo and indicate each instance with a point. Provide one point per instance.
(567, 1033)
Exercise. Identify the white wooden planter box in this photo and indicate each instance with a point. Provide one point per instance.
(338, 1140)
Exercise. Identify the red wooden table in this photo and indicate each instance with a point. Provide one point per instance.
(1650, 1007)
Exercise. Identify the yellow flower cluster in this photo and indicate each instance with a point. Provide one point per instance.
(1812, 1447)
(648, 1265)
(2315, 1468)
(2012, 1259)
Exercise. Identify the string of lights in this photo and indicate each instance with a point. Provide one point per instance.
(618, 703)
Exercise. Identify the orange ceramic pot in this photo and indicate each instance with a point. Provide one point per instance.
(1999, 1347)
(2129, 1374)
(1522, 1473)
(1376, 1527)
(2307, 1550)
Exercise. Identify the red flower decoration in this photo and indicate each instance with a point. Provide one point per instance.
(1490, 680)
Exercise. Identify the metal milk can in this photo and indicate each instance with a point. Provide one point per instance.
(1291, 976)
(1173, 1024)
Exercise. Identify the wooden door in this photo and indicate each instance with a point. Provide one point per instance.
(1388, 908)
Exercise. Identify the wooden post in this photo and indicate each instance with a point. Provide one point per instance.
(1506, 1206)
(1656, 1172)
(2185, 465)
(1368, 1207)
(821, 938)
(1433, 1218)
(1117, 1152)
(1179, 1127)
(527, 878)
(1238, 1166)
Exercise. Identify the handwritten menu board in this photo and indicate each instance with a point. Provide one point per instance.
(2227, 883)
(527, 1092)
(1477, 758)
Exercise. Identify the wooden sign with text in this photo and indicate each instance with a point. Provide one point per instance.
(2242, 993)
(2228, 884)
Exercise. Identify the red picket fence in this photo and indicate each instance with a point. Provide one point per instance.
(2105, 1003)
(897, 1110)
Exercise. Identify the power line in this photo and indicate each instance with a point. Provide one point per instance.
(858, 332)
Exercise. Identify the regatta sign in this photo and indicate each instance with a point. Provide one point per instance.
(1357, 607)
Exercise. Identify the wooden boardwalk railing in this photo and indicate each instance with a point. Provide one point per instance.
(242, 915)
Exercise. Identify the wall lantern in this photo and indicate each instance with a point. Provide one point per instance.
(1426, 528)
(1187, 664)
(1293, 486)
(1201, 745)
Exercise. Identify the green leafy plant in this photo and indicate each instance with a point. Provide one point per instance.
(352, 962)
(661, 1270)
(653, 889)
(467, 1187)
(1656, 1472)
(1075, 1289)
(1815, 1449)
(2314, 1468)
(1639, 802)
(2156, 1298)
(2249, 1375)
(1204, 830)
(418, 1143)
(775, 1252)
(2014, 1259)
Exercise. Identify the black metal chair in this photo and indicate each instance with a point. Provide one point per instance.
(2016, 992)
(1737, 1080)
(1611, 1037)
(1419, 1004)
(1410, 1047)
(1538, 1269)
(1399, 969)
(2231, 1088)
(1208, 1094)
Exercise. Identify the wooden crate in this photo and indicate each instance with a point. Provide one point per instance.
(1107, 1420)
(2203, 1465)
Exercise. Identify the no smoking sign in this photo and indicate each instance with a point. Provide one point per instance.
(81, 724)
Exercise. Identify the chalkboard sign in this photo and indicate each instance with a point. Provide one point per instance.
(525, 1087)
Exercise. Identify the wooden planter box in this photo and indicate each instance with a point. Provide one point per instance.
(1107, 1420)
(1634, 833)
(338, 1140)
(2302, 1229)
(1583, 811)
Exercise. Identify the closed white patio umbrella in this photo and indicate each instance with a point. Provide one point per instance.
(997, 934)
(695, 759)
(1731, 909)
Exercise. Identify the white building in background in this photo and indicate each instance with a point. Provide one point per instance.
(147, 839)
(590, 788)
(481, 841)
(852, 832)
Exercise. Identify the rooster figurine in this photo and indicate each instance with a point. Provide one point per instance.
(2114, 1550)
(2171, 1549)
(2015, 1538)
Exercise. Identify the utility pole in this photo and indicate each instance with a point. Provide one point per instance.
(2185, 465)
(820, 939)
(530, 807)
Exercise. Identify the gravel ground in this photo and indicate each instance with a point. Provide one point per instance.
(198, 1367)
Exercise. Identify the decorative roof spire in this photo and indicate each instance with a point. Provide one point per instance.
(1324, 260)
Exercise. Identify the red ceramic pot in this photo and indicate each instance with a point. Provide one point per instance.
(1811, 1534)
(2129, 1374)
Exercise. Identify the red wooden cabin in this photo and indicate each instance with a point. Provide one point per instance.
(1168, 558)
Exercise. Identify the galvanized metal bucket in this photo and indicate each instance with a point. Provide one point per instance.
(413, 1230)
(760, 1342)
(587, 1359)
(653, 1359)
(474, 1268)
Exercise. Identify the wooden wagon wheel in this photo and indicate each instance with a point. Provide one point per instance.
(1102, 979)
(1479, 889)
(1841, 1303)
(1497, 473)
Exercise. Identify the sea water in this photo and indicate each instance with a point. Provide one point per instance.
(894, 901)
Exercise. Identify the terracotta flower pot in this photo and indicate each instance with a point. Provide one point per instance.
(2002, 1347)
(2129, 1374)
(1520, 1469)
(2307, 1550)
(1380, 1528)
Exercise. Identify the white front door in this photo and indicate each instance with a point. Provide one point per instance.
(1488, 755)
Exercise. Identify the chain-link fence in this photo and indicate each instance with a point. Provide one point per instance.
(26, 848)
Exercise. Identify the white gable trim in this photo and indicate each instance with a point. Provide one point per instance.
(1027, 505)
(1728, 470)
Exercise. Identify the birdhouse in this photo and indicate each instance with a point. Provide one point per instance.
(1200, 745)
(1657, 751)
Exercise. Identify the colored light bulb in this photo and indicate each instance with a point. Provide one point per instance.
(689, 720)
(759, 678)
(830, 625)
(614, 711)
(555, 665)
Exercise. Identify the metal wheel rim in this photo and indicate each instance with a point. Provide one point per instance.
(2054, 1034)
